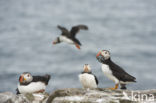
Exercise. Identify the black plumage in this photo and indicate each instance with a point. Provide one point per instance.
(45, 79)
(76, 29)
(113, 71)
(118, 72)
(97, 82)
(72, 33)
(123, 86)
(17, 91)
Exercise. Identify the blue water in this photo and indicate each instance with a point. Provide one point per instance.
(125, 27)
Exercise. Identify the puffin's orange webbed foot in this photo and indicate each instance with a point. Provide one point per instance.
(116, 87)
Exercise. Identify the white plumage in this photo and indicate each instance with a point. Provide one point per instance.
(108, 73)
(87, 80)
(65, 39)
(32, 87)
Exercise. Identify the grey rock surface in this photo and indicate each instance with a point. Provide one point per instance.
(77, 95)
(8, 97)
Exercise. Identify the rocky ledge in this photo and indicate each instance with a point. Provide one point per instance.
(76, 95)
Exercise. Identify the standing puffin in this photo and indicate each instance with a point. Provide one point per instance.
(87, 79)
(32, 84)
(113, 71)
(70, 36)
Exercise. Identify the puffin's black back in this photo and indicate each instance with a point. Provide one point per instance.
(119, 73)
(45, 79)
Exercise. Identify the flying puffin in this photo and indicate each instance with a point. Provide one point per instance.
(32, 84)
(70, 36)
(87, 79)
(113, 71)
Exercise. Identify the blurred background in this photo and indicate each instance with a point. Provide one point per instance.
(28, 27)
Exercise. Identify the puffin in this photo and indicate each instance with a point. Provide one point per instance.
(70, 36)
(32, 84)
(113, 71)
(87, 79)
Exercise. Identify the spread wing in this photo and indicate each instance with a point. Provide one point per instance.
(76, 29)
(64, 30)
(121, 74)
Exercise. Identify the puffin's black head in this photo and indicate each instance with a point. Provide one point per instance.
(56, 41)
(25, 77)
(103, 55)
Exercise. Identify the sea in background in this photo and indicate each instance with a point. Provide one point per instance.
(127, 28)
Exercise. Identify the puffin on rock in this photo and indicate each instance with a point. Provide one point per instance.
(70, 36)
(113, 71)
(32, 84)
(87, 79)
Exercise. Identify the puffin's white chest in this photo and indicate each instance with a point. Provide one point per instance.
(65, 39)
(31, 88)
(87, 80)
(108, 73)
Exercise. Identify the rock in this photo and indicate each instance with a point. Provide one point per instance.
(8, 97)
(77, 95)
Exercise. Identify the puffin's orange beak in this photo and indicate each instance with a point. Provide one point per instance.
(21, 79)
(99, 53)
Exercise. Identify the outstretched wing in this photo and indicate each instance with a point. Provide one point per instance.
(76, 29)
(64, 30)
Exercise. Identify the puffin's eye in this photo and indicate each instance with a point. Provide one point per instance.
(105, 52)
(28, 75)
